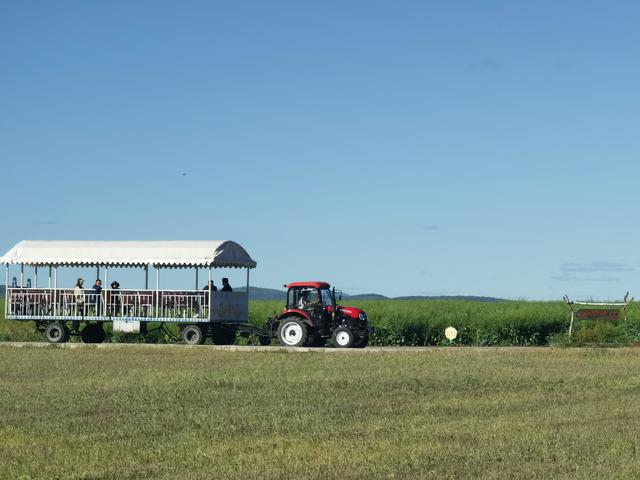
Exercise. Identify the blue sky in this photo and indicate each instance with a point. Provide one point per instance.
(486, 148)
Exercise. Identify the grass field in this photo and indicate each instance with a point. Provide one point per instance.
(177, 412)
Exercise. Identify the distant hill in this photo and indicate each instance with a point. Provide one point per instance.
(258, 293)
(469, 298)
(365, 296)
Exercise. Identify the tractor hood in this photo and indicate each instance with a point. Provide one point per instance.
(352, 312)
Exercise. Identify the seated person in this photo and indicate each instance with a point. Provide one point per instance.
(96, 297)
(225, 285)
(211, 286)
(303, 300)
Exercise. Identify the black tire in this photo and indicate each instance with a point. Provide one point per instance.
(57, 333)
(193, 335)
(292, 332)
(93, 334)
(264, 340)
(223, 336)
(343, 337)
(361, 342)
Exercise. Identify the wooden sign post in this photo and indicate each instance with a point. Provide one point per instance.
(597, 310)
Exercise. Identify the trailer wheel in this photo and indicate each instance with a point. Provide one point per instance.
(93, 334)
(264, 340)
(57, 333)
(223, 336)
(343, 337)
(292, 332)
(361, 342)
(192, 335)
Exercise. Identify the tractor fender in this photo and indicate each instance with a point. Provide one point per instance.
(294, 312)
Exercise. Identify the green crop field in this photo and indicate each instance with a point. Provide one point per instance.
(178, 412)
(422, 322)
(522, 323)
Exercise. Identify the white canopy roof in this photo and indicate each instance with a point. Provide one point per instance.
(167, 254)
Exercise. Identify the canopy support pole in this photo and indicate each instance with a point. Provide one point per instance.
(146, 277)
(157, 292)
(49, 277)
(22, 275)
(106, 286)
(35, 278)
(6, 285)
(196, 278)
(248, 281)
(97, 272)
(55, 293)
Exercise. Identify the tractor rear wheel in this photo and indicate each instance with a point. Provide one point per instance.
(193, 335)
(343, 337)
(57, 333)
(292, 332)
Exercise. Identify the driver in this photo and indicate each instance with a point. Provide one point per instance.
(303, 300)
(308, 298)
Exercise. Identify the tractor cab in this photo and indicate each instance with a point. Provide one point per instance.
(312, 316)
(315, 299)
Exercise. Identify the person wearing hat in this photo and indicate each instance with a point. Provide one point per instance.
(78, 293)
(113, 298)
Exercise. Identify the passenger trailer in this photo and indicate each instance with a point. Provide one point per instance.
(62, 312)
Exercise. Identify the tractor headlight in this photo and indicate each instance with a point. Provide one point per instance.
(363, 317)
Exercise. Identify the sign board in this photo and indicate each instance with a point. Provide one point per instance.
(451, 333)
(126, 326)
(597, 314)
(229, 307)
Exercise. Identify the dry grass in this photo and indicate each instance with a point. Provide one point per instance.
(177, 412)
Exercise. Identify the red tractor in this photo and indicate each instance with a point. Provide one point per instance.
(312, 316)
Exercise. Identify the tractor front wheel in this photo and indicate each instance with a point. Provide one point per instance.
(343, 337)
(292, 332)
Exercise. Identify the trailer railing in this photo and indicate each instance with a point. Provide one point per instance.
(144, 305)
